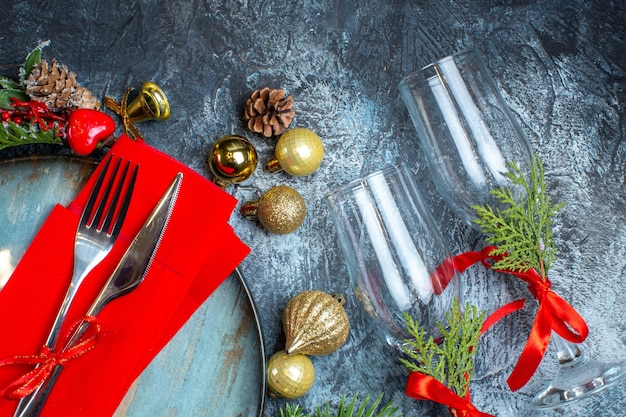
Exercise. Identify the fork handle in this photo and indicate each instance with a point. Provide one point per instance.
(51, 342)
(36, 400)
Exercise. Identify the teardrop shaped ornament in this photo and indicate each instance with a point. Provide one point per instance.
(315, 323)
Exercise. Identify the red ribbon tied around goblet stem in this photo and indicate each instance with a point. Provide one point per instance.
(554, 313)
(48, 359)
(425, 387)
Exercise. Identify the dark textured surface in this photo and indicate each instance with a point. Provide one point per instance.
(562, 69)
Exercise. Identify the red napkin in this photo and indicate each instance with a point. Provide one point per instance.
(198, 251)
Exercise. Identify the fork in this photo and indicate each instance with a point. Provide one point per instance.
(98, 228)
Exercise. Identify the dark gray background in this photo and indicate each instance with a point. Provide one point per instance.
(561, 66)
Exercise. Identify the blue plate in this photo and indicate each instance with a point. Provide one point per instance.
(214, 366)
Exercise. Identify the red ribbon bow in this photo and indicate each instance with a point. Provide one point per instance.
(48, 359)
(424, 387)
(554, 313)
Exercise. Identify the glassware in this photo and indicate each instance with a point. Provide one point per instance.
(396, 256)
(470, 138)
(466, 131)
(578, 376)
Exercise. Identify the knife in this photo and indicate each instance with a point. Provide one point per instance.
(128, 274)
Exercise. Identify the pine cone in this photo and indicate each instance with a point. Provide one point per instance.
(57, 87)
(269, 112)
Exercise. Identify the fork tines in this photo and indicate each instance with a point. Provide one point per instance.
(111, 192)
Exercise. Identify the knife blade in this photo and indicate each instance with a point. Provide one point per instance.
(136, 262)
(128, 274)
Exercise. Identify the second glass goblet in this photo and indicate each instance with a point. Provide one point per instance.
(466, 131)
(396, 256)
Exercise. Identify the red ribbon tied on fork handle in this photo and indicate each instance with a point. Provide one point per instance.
(48, 359)
(554, 313)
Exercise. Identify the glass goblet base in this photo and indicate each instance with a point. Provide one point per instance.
(577, 379)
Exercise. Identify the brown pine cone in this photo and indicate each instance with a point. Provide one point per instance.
(269, 112)
(54, 85)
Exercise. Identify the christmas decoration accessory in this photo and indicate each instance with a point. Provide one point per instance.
(56, 86)
(150, 104)
(442, 372)
(232, 159)
(48, 106)
(525, 248)
(554, 314)
(86, 128)
(30, 122)
(298, 152)
(353, 408)
(15, 90)
(269, 112)
(289, 375)
(280, 210)
(315, 323)
(10, 91)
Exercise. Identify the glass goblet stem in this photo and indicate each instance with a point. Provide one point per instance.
(578, 376)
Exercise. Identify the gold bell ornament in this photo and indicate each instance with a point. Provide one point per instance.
(298, 152)
(150, 104)
(289, 375)
(280, 210)
(232, 159)
(315, 323)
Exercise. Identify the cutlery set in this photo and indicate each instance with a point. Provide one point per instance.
(98, 229)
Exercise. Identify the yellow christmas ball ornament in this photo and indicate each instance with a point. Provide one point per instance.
(232, 159)
(280, 210)
(289, 375)
(315, 323)
(298, 152)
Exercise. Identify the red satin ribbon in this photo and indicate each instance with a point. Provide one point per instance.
(554, 313)
(424, 387)
(48, 359)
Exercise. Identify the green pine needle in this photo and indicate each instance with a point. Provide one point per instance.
(452, 361)
(352, 408)
(295, 411)
(12, 134)
(522, 230)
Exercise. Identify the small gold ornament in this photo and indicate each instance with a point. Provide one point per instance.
(315, 323)
(280, 210)
(232, 159)
(298, 152)
(289, 375)
(150, 104)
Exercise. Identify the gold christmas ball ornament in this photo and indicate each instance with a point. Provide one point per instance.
(315, 323)
(280, 210)
(232, 159)
(289, 375)
(298, 152)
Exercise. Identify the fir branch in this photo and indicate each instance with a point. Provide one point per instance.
(522, 230)
(295, 411)
(452, 361)
(353, 408)
(12, 134)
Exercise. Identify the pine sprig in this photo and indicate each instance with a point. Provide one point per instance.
(12, 134)
(522, 230)
(452, 361)
(353, 408)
